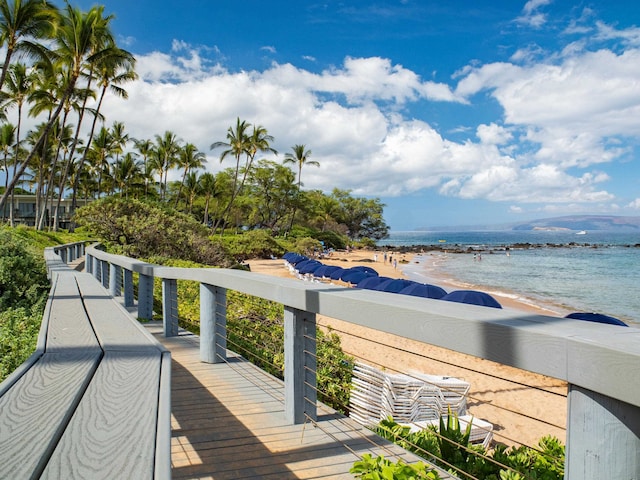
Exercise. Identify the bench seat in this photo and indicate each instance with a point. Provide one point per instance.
(93, 401)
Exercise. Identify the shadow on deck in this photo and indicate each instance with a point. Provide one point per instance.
(228, 423)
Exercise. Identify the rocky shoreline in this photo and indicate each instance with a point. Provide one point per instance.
(489, 249)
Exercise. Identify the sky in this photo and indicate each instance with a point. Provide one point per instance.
(463, 112)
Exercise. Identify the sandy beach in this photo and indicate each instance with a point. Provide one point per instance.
(522, 406)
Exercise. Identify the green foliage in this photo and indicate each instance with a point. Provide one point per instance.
(19, 329)
(142, 230)
(253, 244)
(307, 246)
(379, 468)
(544, 463)
(23, 293)
(23, 279)
(330, 238)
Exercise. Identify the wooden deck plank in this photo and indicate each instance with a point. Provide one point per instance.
(228, 422)
(120, 407)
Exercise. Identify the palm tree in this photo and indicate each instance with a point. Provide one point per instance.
(167, 148)
(125, 172)
(191, 188)
(17, 87)
(190, 158)
(75, 36)
(237, 144)
(99, 153)
(145, 149)
(209, 189)
(7, 141)
(22, 22)
(114, 67)
(300, 156)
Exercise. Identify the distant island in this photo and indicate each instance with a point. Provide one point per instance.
(566, 223)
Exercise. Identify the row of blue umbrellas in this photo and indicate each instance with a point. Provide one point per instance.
(368, 278)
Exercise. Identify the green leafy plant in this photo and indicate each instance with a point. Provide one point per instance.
(379, 468)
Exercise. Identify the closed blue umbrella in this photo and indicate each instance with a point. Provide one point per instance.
(424, 290)
(309, 267)
(597, 317)
(325, 271)
(370, 282)
(336, 274)
(472, 297)
(354, 276)
(365, 269)
(395, 285)
(298, 259)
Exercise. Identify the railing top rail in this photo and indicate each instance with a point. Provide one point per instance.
(598, 357)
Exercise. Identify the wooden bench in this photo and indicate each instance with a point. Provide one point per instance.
(93, 401)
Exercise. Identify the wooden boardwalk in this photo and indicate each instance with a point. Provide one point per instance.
(228, 423)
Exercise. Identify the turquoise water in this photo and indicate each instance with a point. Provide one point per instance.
(597, 272)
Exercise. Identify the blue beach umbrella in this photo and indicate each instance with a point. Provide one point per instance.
(309, 266)
(325, 271)
(424, 290)
(472, 297)
(298, 259)
(370, 282)
(354, 276)
(364, 268)
(597, 317)
(392, 285)
(336, 274)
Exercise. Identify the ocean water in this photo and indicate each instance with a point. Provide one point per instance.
(596, 272)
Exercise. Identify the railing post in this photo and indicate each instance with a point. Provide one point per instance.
(128, 288)
(115, 280)
(213, 324)
(71, 253)
(603, 437)
(88, 263)
(63, 254)
(105, 273)
(145, 296)
(170, 307)
(97, 267)
(300, 390)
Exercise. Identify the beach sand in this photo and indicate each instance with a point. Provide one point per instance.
(522, 406)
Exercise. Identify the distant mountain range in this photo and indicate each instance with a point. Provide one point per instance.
(569, 222)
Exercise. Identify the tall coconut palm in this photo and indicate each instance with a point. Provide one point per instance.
(99, 153)
(300, 157)
(22, 23)
(7, 141)
(145, 148)
(17, 87)
(125, 172)
(189, 159)
(113, 68)
(166, 152)
(209, 188)
(237, 145)
(75, 37)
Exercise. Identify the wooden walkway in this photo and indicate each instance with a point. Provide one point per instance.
(228, 423)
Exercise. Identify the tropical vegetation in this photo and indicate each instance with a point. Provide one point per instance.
(61, 64)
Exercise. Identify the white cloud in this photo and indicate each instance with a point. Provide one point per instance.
(559, 119)
(530, 14)
(635, 204)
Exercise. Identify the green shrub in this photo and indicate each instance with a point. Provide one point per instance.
(253, 244)
(19, 329)
(379, 468)
(143, 230)
(23, 278)
(544, 463)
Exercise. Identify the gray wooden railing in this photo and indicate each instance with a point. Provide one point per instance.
(601, 363)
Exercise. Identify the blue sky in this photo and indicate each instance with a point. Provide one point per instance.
(452, 113)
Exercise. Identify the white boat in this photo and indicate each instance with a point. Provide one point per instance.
(581, 232)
